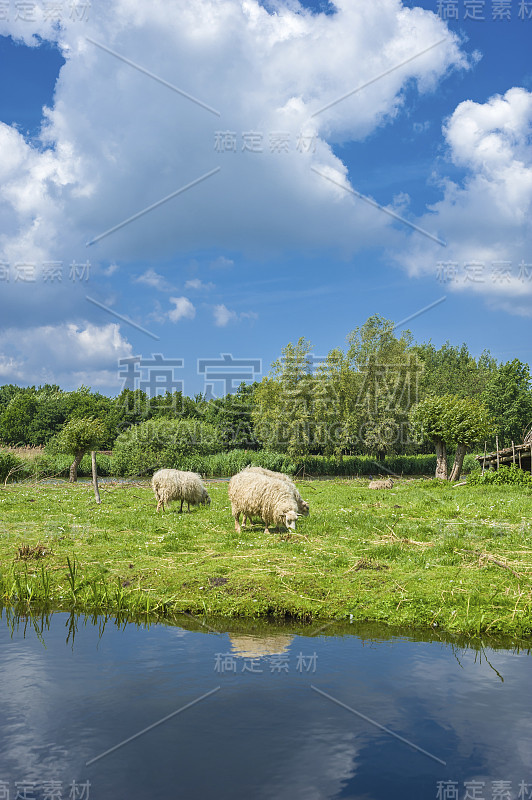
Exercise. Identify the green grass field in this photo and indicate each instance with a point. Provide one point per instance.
(422, 554)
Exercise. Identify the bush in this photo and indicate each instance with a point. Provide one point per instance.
(145, 448)
(504, 475)
(9, 462)
(229, 463)
(46, 465)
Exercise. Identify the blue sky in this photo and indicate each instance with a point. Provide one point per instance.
(268, 242)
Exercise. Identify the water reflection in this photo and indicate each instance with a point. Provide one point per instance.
(259, 646)
(74, 688)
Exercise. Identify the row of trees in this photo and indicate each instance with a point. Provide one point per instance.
(381, 395)
(362, 400)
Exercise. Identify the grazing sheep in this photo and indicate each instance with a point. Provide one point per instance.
(386, 484)
(302, 505)
(173, 484)
(270, 499)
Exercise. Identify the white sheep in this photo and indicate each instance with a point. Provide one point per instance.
(386, 484)
(302, 505)
(173, 484)
(270, 499)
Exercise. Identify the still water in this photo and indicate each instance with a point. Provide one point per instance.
(91, 708)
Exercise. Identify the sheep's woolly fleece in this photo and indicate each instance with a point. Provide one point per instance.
(269, 498)
(302, 505)
(386, 484)
(173, 484)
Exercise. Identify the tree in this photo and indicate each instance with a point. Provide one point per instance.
(48, 417)
(7, 393)
(468, 422)
(387, 372)
(453, 370)
(508, 397)
(283, 403)
(429, 422)
(231, 415)
(451, 420)
(17, 417)
(77, 437)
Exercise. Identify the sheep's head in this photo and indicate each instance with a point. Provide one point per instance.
(303, 508)
(206, 500)
(290, 519)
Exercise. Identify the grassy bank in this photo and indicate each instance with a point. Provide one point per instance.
(422, 554)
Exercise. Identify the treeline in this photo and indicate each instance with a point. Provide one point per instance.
(357, 401)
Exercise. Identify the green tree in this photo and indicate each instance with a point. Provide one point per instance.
(453, 370)
(468, 423)
(451, 420)
(386, 378)
(7, 393)
(231, 415)
(335, 423)
(48, 416)
(16, 419)
(508, 397)
(428, 420)
(77, 437)
(283, 402)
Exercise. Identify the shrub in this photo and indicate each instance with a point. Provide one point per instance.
(9, 462)
(504, 475)
(144, 448)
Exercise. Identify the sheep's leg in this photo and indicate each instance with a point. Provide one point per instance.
(244, 521)
(266, 530)
(181, 509)
(237, 522)
(188, 506)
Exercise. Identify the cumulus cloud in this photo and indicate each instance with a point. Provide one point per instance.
(153, 279)
(110, 270)
(485, 219)
(117, 142)
(68, 354)
(141, 170)
(223, 315)
(184, 309)
(195, 283)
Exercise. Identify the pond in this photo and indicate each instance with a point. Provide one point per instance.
(92, 707)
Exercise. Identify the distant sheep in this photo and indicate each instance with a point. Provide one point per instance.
(173, 484)
(302, 505)
(271, 499)
(386, 484)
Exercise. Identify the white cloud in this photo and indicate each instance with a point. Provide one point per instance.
(195, 283)
(485, 220)
(117, 142)
(152, 278)
(184, 309)
(421, 127)
(66, 354)
(223, 315)
(222, 263)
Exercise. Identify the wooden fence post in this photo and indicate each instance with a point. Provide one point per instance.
(95, 477)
